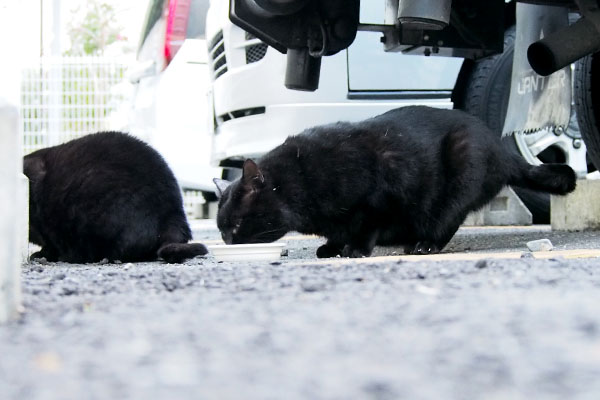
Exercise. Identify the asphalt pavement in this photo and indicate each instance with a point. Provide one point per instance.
(487, 319)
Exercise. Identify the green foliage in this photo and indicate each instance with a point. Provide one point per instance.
(93, 29)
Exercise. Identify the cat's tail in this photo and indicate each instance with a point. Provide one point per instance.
(552, 178)
(175, 253)
(175, 235)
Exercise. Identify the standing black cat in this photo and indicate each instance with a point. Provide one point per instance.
(408, 177)
(106, 195)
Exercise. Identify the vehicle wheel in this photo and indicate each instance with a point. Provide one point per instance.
(209, 196)
(486, 95)
(231, 174)
(587, 104)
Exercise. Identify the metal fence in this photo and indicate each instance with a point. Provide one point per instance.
(67, 97)
(63, 98)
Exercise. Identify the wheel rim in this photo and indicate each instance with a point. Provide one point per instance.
(549, 145)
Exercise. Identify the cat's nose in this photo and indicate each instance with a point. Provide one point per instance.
(227, 238)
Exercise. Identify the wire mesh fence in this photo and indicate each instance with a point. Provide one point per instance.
(63, 98)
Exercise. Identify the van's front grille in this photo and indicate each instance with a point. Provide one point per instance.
(255, 53)
(216, 53)
(255, 50)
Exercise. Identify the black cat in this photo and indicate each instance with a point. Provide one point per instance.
(106, 195)
(407, 177)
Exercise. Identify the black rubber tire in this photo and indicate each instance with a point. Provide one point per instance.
(209, 196)
(587, 104)
(486, 95)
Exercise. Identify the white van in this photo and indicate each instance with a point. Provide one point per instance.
(254, 112)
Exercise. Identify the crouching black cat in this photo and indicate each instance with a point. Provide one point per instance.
(407, 177)
(106, 195)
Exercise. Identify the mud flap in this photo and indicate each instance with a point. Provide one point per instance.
(537, 102)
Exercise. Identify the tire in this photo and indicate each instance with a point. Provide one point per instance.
(485, 95)
(209, 196)
(587, 104)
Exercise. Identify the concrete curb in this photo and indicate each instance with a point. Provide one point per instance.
(11, 200)
(579, 210)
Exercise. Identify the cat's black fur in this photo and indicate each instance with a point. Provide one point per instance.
(106, 195)
(407, 177)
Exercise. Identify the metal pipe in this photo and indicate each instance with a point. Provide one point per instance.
(424, 14)
(302, 71)
(563, 47)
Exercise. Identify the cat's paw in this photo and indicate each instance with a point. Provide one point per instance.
(424, 247)
(328, 251)
(42, 256)
(38, 257)
(352, 252)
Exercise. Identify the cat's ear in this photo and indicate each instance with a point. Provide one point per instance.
(252, 176)
(221, 186)
(34, 168)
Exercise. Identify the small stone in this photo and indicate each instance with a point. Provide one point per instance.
(276, 263)
(313, 286)
(69, 290)
(427, 290)
(59, 277)
(527, 254)
(284, 253)
(127, 266)
(48, 361)
(540, 245)
(171, 285)
(481, 264)
(103, 261)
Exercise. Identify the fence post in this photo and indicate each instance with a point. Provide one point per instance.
(55, 100)
(10, 210)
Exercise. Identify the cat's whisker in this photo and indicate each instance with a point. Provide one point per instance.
(269, 232)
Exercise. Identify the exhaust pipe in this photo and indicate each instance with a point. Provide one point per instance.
(302, 71)
(563, 47)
